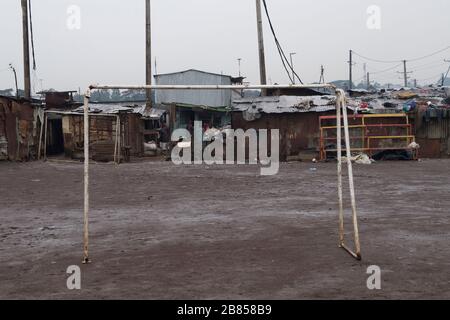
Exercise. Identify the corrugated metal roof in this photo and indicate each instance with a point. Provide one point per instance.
(189, 70)
(106, 108)
(150, 113)
(285, 104)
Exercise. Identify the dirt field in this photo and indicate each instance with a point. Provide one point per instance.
(223, 232)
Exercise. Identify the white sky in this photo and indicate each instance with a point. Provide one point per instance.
(211, 34)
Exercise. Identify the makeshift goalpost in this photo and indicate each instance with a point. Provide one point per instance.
(341, 112)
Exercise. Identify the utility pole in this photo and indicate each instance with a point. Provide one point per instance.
(148, 51)
(292, 65)
(405, 74)
(26, 50)
(365, 72)
(322, 74)
(262, 57)
(239, 65)
(368, 81)
(350, 78)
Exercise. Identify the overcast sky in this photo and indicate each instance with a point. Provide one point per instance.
(212, 34)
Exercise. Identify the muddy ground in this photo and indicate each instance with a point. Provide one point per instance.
(159, 231)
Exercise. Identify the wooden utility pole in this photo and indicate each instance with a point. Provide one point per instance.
(368, 81)
(292, 65)
(322, 74)
(26, 50)
(148, 51)
(262, 57)
(350, 77)
(405, 74)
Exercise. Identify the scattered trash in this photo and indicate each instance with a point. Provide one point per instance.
(360, 158)
(414, 146)
(389, 155)
(363, 159)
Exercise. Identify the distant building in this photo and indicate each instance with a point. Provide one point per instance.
(187, 106)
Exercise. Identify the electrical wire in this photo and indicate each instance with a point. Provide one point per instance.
(386, 70)
(428, 67)
(430, 55)
(409, 60)
(375, 60)
(283, 56)
(433, 77)
(32, 34)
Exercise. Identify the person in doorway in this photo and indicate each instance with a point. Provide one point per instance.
(164, 136)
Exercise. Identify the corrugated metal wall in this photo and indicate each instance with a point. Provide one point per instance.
(298, 131)
(211, 98)
(433, 135)
(17, 130)
(102, 129)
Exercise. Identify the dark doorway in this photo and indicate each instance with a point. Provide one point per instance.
(56, 138)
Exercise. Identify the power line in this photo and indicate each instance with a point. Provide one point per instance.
(409, 60)
(430, 55)
(375, 60)
(429, 66)
(283, 56)
(386, 70)
(32, 35)
(428, 63)
(433, 77)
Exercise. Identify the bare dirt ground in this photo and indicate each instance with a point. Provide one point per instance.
(159, 231)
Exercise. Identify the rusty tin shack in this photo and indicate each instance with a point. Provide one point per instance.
(116, 132)
(18, 134)
(297, 118)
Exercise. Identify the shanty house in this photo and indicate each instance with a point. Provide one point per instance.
(186, 106)
(114, 131)
(18, 134)
(297, 118)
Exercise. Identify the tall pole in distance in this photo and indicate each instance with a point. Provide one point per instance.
(239, 65)
(368, 81)
(405, 73)
(292, 65)
(26, 50)
(148, 51)
(262, 57)
(350, 77)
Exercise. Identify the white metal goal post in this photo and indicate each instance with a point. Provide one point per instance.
(341, 112)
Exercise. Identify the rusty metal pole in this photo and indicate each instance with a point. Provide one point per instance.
(148, 51)
(86, 178)
(357, 253)
(262, 56)
(26, 50)
(339, 169)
